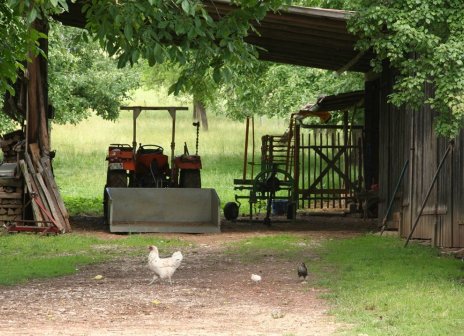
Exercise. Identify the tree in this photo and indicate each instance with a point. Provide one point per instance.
(181, 31)
(18, 40)
(279, 89)
(83, 78)
(260, 88)
(424, 41)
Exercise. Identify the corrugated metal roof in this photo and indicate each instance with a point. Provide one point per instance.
(312, 37)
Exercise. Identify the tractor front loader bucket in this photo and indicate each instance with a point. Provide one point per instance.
(188, 210)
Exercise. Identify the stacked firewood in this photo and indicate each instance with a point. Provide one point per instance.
(27, 185)
(11, 193)
(10, 144)
(11, 184)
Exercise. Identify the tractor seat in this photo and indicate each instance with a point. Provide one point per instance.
(153, 149)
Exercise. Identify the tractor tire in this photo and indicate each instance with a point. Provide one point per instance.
(231, 211)
(116, 179)
(190, 178)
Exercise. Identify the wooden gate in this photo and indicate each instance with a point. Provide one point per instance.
(331, 167)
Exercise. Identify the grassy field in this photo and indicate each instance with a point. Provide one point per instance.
(80, 165)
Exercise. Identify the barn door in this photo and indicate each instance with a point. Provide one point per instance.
(330, 166)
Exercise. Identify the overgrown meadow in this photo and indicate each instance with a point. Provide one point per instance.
(80, 166)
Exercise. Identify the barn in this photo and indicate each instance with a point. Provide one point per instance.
(419, 176)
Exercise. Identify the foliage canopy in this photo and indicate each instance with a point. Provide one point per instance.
(83, 78)
(424, 41)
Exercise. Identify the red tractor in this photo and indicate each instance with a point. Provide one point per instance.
(146, 166)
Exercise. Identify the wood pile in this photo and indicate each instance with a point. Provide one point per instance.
(11, 193)
(28, 189)
(10, 144)
(11, 184)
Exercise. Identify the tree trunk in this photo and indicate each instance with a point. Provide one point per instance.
(37, 118)
(199, 113)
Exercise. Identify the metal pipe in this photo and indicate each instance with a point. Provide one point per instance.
(252, 146)
(135, 114)
(384, 221)
(296, 164)
(450, 146)
(245, 155)
(172, 112)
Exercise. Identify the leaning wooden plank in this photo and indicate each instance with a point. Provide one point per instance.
(54, 210)
(35, 183)
(35, 153)
(50, 181)
(27, 178)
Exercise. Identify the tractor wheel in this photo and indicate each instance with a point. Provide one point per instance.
(190, 178)
(231, 211)
(116, 179)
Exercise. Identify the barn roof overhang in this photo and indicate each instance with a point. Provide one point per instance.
(338, 102)
(311, 37)
(324, 105)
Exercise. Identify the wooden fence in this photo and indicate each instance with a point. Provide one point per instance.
(330, 160)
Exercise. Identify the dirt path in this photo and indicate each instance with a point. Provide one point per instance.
(211, 294)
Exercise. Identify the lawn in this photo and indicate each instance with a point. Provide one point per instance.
(26, 256)
(383, 288)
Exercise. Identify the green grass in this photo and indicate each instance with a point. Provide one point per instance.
(385, 289)
(26, 256)
(283, 246)
(80, 166)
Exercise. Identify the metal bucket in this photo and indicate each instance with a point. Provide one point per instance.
(188, 210)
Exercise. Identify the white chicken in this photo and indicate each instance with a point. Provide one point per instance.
(163, 267)
(256, 278)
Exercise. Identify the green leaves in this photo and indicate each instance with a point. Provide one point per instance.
(17, 39)
(83, 79)
(424, 41)
(179, 31)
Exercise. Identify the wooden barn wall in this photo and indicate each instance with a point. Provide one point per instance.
(409, 135)
(423, 160)
(393, 150)
(457, 212)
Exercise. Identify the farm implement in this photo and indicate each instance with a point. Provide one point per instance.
(273, 185)
(146, 191)
(313, 166)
